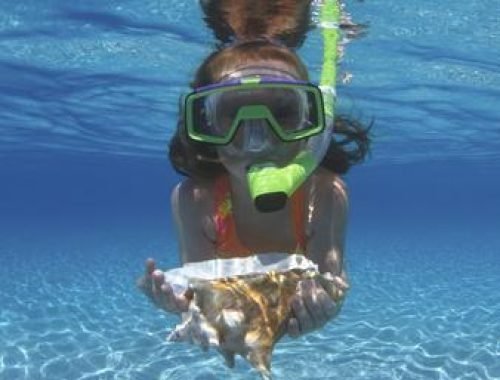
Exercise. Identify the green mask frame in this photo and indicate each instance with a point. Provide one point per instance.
(253, 112)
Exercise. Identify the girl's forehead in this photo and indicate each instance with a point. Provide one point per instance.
(274, 69)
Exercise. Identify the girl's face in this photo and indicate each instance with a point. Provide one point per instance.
(260, 146)
(255, 142)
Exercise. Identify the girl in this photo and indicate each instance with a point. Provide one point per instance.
(254, 111)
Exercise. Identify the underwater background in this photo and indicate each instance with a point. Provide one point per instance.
(88, 100)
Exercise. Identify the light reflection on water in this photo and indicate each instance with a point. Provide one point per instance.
(407, 315)
(107, 77)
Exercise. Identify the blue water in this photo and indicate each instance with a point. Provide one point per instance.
(88, 100)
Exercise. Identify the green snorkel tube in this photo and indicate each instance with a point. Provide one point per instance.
(270, 186)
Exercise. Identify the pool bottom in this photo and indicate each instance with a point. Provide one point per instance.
(418, 308)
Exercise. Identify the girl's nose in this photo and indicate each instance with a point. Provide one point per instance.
(256, 134)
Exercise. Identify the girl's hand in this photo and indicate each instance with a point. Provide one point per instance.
(312, 307)
(160, 292)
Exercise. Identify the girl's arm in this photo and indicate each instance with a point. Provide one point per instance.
(328, 225)
(192, 205)
(313, 307)
(192, 216)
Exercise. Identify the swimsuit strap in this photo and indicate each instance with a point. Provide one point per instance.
(227, 242)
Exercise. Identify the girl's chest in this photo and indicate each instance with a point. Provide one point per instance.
(264, 232)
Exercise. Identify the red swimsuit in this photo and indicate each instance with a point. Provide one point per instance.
(227, 242)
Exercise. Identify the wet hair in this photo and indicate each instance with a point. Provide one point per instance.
(259, 33)
(286, 21)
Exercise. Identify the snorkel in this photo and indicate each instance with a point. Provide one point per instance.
(270, 186)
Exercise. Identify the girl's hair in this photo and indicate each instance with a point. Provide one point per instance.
(244, 20)
(260, 33)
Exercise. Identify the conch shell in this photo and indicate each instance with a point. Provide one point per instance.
(245, 314)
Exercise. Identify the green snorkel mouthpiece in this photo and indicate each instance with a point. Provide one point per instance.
(271, 186)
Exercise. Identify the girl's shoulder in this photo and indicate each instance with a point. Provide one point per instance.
(191, 193)
(329, 183)
(192, 207)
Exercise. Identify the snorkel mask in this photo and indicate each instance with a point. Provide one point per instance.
(293, 110)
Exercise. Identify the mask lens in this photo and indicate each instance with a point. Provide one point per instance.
(311, 117)
(288, 107)
(204, 123)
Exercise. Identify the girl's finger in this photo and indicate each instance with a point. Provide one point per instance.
(314, 305)
(150, 266)
(341, 283)
(181, 302)
(328, 306)
(166, 298)
(293, 327)
(302, 315)
(158, 280)
(145, 283)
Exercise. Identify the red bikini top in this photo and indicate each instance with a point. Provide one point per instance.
(227, 242)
